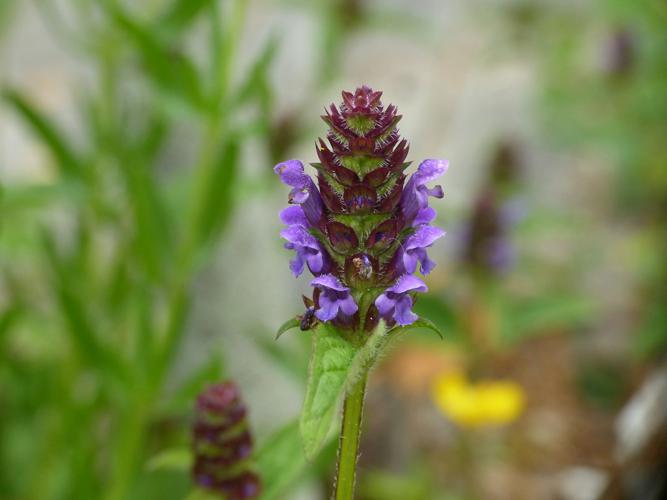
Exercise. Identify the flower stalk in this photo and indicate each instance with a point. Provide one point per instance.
(348, 444)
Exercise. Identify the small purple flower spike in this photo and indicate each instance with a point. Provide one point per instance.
(334, 298)
(221, 443)
(308, 250)
(415, 249)
(395, 304)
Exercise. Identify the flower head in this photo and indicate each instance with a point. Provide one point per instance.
(363, 227)
(222, 442)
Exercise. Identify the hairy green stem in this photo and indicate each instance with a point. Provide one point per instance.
(348, 445)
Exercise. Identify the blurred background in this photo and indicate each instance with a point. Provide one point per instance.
(140, 258)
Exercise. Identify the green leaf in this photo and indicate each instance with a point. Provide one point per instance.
(179, 459)
(169, 69)
(216, 199)
(420, 323)
(287, 326)
(44, 129)
(280, 461)
(257, 82)
(330, 363)
(78, 324)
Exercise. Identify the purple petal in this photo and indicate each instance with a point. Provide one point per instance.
(299, 235)
(403, 313)
(408, 283)
(425, 192)
(424, 237)
(415, 194)
(330, 282)
(315, 262)
(410, 261)
(293, 215)
(427, 264)
(296, 264)
(291, 173)
(348, 305)
(299, 195)
(384, 304)
(430, 170)
(305, 192)
(328, 308)
(424, 216)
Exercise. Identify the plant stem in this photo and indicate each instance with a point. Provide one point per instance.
(348, 445)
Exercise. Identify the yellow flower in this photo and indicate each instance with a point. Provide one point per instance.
(479, 404)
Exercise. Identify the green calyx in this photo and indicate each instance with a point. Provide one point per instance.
(361, 164)
(362, 225)
(360, 124)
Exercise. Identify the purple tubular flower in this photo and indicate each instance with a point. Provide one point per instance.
(415, 249)
(415, 194)
(395, 304)
(334, 298)
(304, 191)
(308, 250)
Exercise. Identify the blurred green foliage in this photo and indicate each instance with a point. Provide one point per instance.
(614, 105)
(103, 254)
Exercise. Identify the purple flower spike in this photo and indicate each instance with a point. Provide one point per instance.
(334, 298)
(396, 304)
(415, 249)
(415, 195)
(308, 250)
(360, 223)
(304, 191)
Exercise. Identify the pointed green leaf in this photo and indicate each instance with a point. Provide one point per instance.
(287, 326)
(330, 363)
(44, 129)
(216, 193)
(170, 70)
